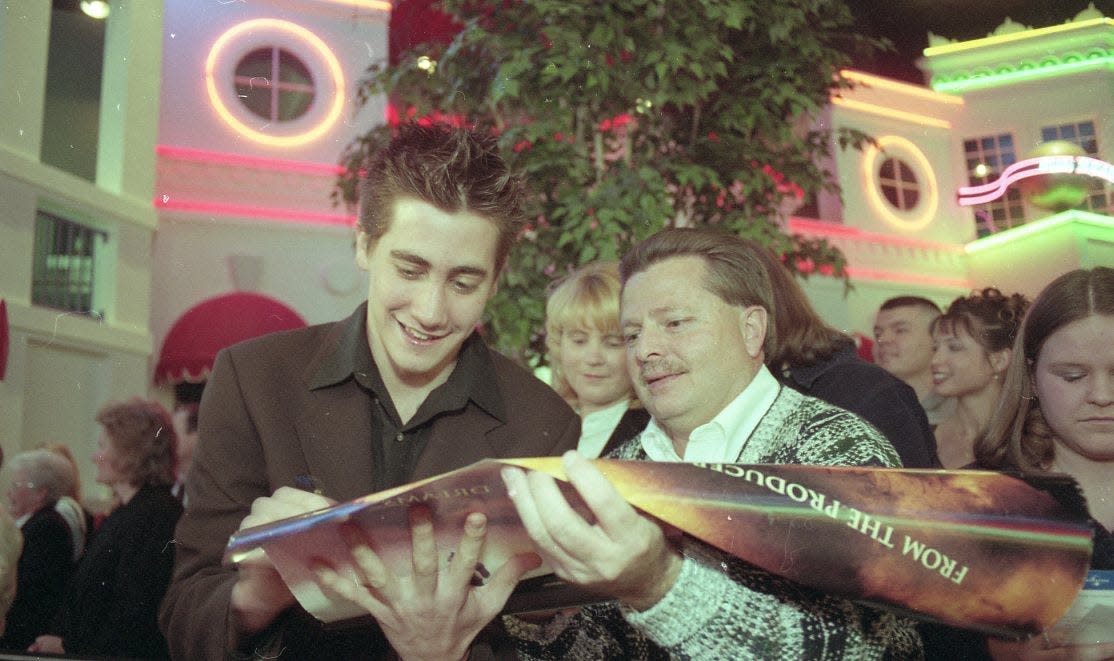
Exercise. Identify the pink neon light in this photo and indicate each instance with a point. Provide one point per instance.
(266, 213)
(833, 230)
(894, 276)
(1033, 167)
(239, 160)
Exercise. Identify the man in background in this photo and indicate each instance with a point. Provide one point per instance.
(903, 347)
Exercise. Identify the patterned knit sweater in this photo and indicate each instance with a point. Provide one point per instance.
(723, 608)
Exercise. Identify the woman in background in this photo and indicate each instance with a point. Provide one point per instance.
(1056, 414)
(589, 357)
(111, 606)
(972, 344)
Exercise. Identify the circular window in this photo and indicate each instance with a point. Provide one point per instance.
(274, 84)
(278, 72)
(899, 184)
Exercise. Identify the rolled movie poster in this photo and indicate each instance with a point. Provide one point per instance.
(998, 553)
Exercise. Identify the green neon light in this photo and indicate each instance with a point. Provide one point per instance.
(1044, 225)
(1007, 77)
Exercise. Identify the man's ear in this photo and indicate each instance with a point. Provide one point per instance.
(752, 324)
(363, 244)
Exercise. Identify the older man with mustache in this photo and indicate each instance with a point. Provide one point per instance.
(697, 316)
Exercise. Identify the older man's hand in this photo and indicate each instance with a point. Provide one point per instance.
(623, 554)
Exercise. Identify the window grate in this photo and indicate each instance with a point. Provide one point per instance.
(63, 266)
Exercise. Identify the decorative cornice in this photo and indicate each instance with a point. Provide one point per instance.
(981, 77)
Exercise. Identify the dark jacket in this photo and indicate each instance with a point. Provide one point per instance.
(875, 395)
(44, 568)
(263, 426)
(111, 606)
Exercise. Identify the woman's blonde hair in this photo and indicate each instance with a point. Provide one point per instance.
(587, 298)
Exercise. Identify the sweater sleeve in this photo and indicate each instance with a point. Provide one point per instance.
(721, 607)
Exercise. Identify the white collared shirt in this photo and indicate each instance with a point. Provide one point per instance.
(721, 440)
(597, 427)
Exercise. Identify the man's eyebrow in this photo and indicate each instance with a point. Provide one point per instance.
(468, 270)
(418, 260)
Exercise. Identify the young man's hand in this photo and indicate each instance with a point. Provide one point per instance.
(433, 611)
(260, 594)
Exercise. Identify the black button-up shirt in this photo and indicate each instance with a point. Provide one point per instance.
(395, 444)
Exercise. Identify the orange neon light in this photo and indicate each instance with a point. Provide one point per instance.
(298, 32)
(932, 51)
(891, 112)
(878, 82)
(378, 5)
(907, 222)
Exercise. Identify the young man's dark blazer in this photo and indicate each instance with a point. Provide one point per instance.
(262, 427)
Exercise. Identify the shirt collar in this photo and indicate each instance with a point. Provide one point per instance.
(721, 439)
(596, 427)
(473, 378)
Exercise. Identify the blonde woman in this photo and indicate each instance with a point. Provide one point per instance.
(589, 357)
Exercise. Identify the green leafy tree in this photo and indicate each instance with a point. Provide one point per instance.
(627, 116)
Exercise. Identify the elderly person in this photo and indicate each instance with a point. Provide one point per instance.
(110, 608)
(11, 545)
(69, 504)
(39, 478)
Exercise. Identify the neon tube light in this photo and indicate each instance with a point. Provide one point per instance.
(836, 231)
(1033, 167)
(892, 113)
(248, 211)
(378, 5)
(933, 51)
(1038, 226)
(1018, 75)
(256, 162)
(878, 82)
(303, 35)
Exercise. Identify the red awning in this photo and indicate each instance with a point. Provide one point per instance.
(192, 344)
